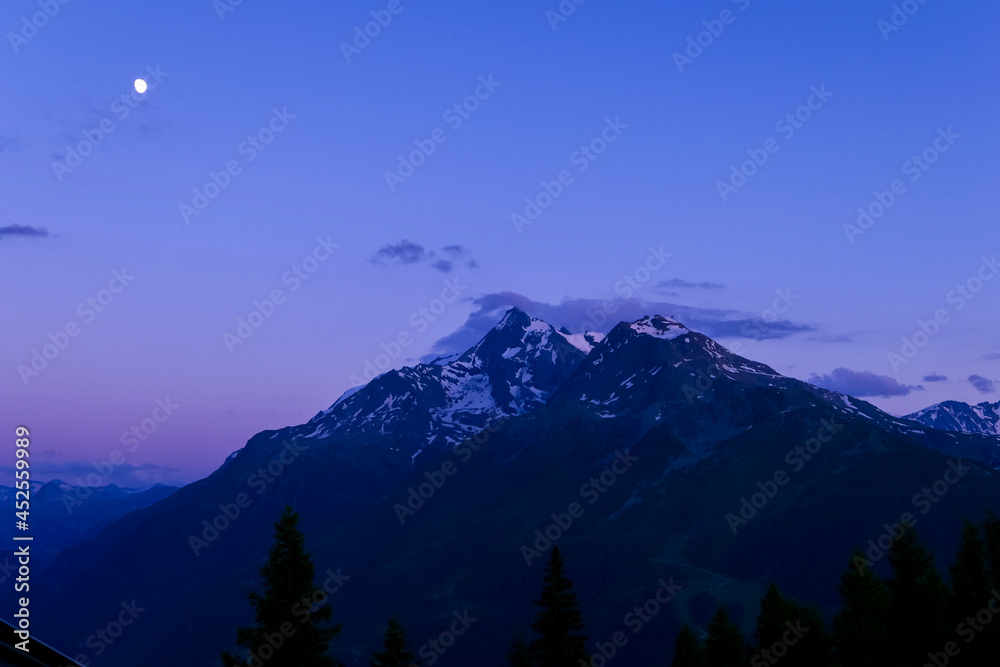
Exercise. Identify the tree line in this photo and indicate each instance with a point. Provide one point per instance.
(910, 619)
(913, 618)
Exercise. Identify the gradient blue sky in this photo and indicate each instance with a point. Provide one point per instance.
(323, 176)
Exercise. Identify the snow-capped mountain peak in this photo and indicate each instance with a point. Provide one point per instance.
(513, 369)
(659, 326)
(983, 418)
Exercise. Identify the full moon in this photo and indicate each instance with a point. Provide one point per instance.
(140, 86)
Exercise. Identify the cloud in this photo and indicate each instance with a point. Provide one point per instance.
(456, 251)
(23, 230)
(992, 356)
(830, 338)
(408, 252)
(982, 385)
(404, 252)
(934, 377)
(687, 284)
(861, 383)
(579, 315)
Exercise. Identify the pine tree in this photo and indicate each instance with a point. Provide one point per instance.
(775, 612)
(519, 655)
(791, 632)
(918, 598)
(970, 582)
(396, 653)
(725, 646)
(281, 639)
(969, 577)
(860, 631)
(688, 651)
(991, 530)
(559, 623)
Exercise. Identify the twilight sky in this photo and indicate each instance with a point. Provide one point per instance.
(266, 155)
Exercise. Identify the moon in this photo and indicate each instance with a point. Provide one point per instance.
(140, 86)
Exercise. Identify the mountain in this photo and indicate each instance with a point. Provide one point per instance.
(650, 454)
(983, 418)
(63, 515)
(511, 371)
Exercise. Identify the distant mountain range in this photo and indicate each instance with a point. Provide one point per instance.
(432, 487)
(983, 418)
(63, 515)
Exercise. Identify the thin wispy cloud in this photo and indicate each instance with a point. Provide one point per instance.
(24, 231)
(934, 377)
(409, 252)
(862, 383)
(404, 252)
(687, 284)
(982, 385)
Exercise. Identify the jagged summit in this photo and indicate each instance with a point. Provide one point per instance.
(982, 418)
(513, 369)
(659, 326)
(653, 367)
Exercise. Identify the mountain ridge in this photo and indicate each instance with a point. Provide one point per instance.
(705, 425)
(982, 418)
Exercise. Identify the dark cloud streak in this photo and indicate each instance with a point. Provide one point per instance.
(862, 383)
(982, 385)
(23, 230)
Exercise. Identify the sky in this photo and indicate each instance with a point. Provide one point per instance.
(811, 183)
